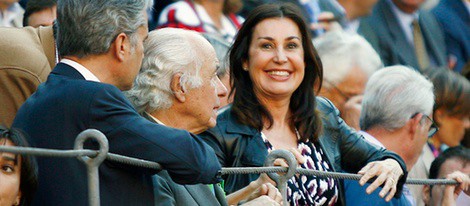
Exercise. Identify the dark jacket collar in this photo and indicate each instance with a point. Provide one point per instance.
(66, 70)
(233, 126)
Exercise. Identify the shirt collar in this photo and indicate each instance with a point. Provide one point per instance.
(81, 69)
(467, 4)
(155, 119)
(371, 139)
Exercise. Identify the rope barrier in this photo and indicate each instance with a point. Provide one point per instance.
(225, 171)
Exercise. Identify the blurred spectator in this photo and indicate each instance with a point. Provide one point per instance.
(205, 16)
(40, 13)
(154, 14)
(185, 97)
(454, 17)
(451, 113)
(396, 115)
(221, 49)
(403, 34)
(447, 163)
(101, 43)
(349, 12)
(19, 175)
(27, 56)
(348, 61)
(11, 13)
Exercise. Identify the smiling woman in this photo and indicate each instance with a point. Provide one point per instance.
(273, 69)
(18, 173)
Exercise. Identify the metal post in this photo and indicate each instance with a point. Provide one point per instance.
(93, 163)
(281, 180)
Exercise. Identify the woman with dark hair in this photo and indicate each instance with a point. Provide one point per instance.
(274, 68)
(451, 113)
(18, 176)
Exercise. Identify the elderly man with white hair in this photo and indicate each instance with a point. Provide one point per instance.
(178, 87)
(348, 62)
(396, 115)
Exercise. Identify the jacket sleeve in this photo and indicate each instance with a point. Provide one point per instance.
(187, 159)
(355, 151)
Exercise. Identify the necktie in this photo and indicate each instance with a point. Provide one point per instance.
(420, 47)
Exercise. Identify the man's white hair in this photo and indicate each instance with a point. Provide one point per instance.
(340, 52)
(168, 51)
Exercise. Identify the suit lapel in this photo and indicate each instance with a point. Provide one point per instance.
(431, 35)
(405, 50)
(202, 195)
(220, 195)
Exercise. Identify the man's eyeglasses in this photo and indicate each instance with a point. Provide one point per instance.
(341, 93)
(433, 129)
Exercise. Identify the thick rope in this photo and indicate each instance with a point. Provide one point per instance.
(225, 171)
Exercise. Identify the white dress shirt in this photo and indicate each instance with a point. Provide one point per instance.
(81, 69)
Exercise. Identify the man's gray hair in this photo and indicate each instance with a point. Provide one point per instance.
(168, 51)
(88, 27)
(340, 52)
(393, 95)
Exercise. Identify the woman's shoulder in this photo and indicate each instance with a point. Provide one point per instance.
(325, 106)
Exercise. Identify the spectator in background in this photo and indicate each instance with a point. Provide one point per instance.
(403, 34)
(18, 175)
(40, 13)
(27, 56)
(221, 49)
(349, 12)
(205, 16)
(454, 163)
(348, 62)
(396, 115)
(101, 43)
(451, 113)
(454, 17)
(186, 96)
(11, 13)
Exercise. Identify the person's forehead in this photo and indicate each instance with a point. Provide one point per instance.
(450, 166)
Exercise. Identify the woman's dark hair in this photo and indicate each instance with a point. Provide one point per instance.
(29, 168)
(246, 107)
(452, 91)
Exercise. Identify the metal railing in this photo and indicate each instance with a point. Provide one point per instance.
(93, 159)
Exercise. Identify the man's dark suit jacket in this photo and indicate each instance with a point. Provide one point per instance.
(383, 31)
(455, 21)
(67, 104)
(167, 192)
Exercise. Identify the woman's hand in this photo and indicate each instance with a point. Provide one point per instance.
(266, 194)
(451, 192)
(387, 171)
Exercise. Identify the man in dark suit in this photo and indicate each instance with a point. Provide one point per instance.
(186, 96)
(454, 18)
(101, 43)
(403, 34)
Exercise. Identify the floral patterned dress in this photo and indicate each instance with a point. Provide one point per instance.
(310, 190)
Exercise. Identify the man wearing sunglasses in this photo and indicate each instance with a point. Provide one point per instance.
(396, 111)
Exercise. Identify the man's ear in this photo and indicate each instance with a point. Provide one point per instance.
(120, 46)
(177, 88)
(439, 115)
(426, 194)
(414, 124)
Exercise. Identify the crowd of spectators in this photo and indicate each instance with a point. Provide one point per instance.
(374, 87)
